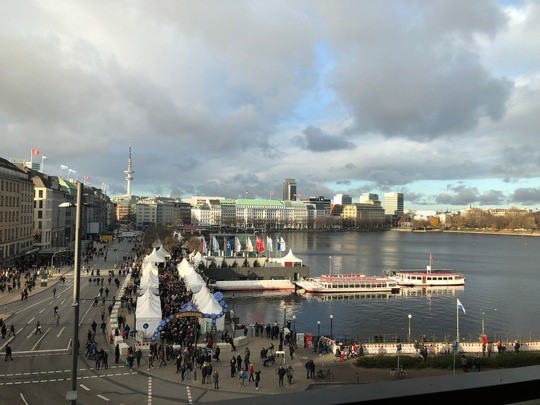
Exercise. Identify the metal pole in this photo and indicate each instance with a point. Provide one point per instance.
(331, 327)
(76, 292)
(330, 265)
(318, 329)
(410, 317)
(483, 324)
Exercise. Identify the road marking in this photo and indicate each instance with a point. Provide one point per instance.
(30, 320)
(190, 399)
(103, 398)
(61, 330)
(24, 400)
(45, 334)
(64, 300)
(84, 387)
(149, 390)
(42, 310)
(5, 344)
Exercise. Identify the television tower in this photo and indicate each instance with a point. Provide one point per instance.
(129, 173)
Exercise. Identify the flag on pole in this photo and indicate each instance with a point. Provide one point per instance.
(44, 157)
(278, 244)
(203, 247)
(460, 305)
(229, 246)
(237, 244)
(86, 178)
(259, 244)
(269, 244)
(249, 245)
(282, 245)
(35, 152)
(215, 244)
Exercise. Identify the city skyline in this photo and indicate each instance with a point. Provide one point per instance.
(343, 97)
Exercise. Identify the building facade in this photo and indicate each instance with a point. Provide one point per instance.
(289, 190)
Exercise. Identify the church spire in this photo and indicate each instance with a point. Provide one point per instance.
(129, 172)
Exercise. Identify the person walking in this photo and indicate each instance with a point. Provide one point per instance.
(215, 379)
(3, 330)
(233, 366)
(251, 371)
(281, 373)
(116, 353)
(11, 330)
(242, 377)
(8, 352)
(57, 319)
(38, 328)
(151, 362)
(257, 379)
(138, 356)
(54, 292)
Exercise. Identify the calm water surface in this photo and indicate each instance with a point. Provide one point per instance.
(502, 286)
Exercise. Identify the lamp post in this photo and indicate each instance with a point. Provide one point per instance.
(331, 326)
(330, 265)
(318, 329)
(52, 259)
(72, 395)
(232, 302)
(294, 326)
(483, 323)
(410, 317)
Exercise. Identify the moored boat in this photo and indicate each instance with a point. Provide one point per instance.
(347, 283)
(252, 285)
(426, 277)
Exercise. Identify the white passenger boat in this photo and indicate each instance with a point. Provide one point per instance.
(347, 283)
(426, 277)
(253, 285)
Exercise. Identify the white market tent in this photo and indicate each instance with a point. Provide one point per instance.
(154, 257)
(184, 267)
(163, 253)
(194, 281)
(289, 260)
(148, 313)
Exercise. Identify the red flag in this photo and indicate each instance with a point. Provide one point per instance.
(86, 178)
(35, 152)
(259, 244)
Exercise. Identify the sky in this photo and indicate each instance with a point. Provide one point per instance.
(439, 100)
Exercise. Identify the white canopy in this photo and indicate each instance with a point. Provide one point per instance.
(148, 313)
(163, 253)
(194, 281)
(197, 259)
(290, 260)
(184, 267)
(154, 257)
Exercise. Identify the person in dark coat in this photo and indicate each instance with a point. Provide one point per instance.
(117, 353)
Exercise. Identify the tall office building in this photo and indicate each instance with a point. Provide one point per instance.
(393, 204)
(289, 190)
(342, 199)
(368, 198)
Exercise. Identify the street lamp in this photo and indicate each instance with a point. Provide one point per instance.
(72, 395)
(318, 329)
(331, 331)
(52, 259)
(483, 323)
(294, 326)
(330, 265)
(232, 302)
(410, 317)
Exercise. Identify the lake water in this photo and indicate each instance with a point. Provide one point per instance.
(501, 290)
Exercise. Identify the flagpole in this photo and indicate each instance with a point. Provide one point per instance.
(457, 320)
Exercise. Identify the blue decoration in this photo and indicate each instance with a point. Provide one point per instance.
(153, 338)
(218, 296)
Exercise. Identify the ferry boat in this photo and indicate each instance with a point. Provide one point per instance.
(347, 283)
(426, 277)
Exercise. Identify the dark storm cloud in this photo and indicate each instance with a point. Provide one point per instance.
(526, 196)
(316, 140)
